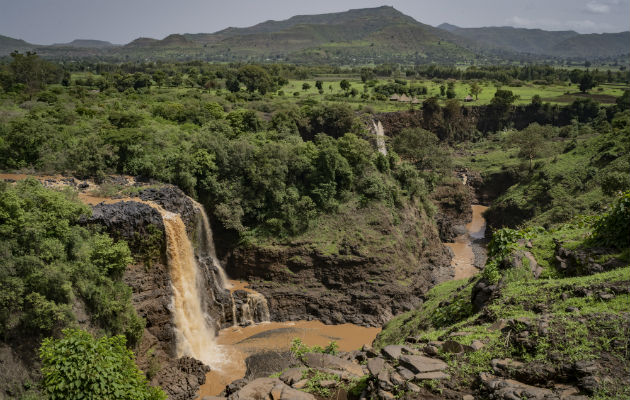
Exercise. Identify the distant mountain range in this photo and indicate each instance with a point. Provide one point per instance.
(540, 42)
(369, 35)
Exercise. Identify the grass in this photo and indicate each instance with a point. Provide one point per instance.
(579, 327)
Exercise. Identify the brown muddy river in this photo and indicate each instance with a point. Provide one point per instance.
(237, 343)
(464, 258)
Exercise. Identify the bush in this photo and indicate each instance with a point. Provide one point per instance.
(613, 228)
(79, 366)
(49, 260)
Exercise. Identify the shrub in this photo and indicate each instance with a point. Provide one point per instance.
(299, 349)
(613, 228)
(78, 366)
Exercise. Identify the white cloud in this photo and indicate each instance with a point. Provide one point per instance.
(597, 7)
(585, 25)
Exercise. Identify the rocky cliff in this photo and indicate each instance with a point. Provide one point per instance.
(365, 274)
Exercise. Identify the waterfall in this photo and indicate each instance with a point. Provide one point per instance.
(380, 136)
(194, 334)
(254, 309)
(207, 245)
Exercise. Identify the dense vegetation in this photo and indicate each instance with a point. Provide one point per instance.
(556, 173)
(52, 269)
(79, 366)
(51, 262)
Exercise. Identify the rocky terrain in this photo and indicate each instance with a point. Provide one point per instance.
(361, 281)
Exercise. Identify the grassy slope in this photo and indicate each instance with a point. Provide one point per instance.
(566, 179)
(580, 327)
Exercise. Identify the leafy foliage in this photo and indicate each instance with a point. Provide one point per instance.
(299, 349)
(78, 366)
(51, 262)
(614, 227)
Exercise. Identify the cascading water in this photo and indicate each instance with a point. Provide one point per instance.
(208, 245)
(195, 335)
(254, 309)
(380, 137)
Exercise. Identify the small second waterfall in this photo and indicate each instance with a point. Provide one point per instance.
(380, 136)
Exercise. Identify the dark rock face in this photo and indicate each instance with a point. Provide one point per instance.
(339, 288)
(152, 289)
(128, 220)
(172, 199)
(181, 379)
(261, 365)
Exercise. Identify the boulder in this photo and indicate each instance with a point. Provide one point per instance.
(451, 346)
(292, 375)
(375, 365)
(431, 375)
(431, 350)
(383, 381)
(505, 366)
(318, 360)
(476, 345)
(385, 395)
(328, 383)
(420, 364)
(269, 388)
(392, 352)
(411, 387)
(405, 373)
(300, 384)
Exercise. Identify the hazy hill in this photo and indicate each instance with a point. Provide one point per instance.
(86, 43)
(595, 45)
(541, 42)
(8, 44)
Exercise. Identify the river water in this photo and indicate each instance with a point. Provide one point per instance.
(237, 343)
(463, 255)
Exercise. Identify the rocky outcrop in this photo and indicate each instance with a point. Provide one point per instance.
(152, 291)
(128, 220)
(301, 283)
(364, 282)
(582, 261)
(269, 388)
(181, 378)
(172, 199)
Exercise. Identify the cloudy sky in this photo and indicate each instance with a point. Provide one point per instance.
(120, 21)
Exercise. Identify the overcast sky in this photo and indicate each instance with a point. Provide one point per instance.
(120, 21)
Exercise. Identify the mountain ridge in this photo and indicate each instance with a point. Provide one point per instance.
(364, 35)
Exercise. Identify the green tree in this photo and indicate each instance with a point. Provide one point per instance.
(501, 107)
(475, 90)
(159, 77)
(78, 366)
(450, 93)
(422, 148)
(306, 86)
(530, 141)
(256, 78)
(344, 85)
(232, 84)
(31, 71)
(587, 82)
(319, 85)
